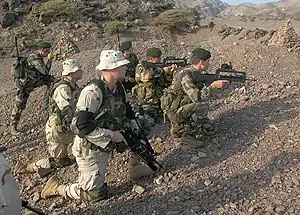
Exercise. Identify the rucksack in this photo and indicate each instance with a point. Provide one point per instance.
(20, 66)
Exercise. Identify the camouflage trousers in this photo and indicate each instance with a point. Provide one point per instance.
(92, 167)
(20, 103)
(190, 119)
(58, 142)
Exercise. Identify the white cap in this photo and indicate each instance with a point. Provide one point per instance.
(70, 66)
(111, 59)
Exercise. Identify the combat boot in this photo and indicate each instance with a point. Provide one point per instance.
(21, 168)
(138, 169)
(52, 188)
(15, 131)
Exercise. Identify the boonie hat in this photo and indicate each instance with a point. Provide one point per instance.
(71, 66)
(111, 59)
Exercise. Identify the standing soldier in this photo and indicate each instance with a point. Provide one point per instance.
(126, 49)
(182, 102)
(37, 75)
(63, 97)
(93, 143)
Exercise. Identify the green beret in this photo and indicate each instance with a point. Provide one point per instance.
(44, 45)
(153, 52)
(201, 54)
(125, 45)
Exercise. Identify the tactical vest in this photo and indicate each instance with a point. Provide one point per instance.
(113, 101)
(174, 97)
(53, 108)
(151, 82)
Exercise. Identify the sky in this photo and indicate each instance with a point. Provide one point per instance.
(248, 1)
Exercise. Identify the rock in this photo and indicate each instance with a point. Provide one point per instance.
(65, 48)
(138, 189)
(280, 209)
(159, 180)
(7, 19)
(194, 158)
(202, 154)
(52, 206)
(270, 209)
(207, 182)
(36, 196)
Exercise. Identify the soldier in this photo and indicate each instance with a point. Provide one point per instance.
(151, 81)
(126, 49)
(10, 202)
(93, 143)
(37, 75)
(63, 97)
(182, 101)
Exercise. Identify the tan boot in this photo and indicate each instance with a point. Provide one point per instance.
(23, 168)
(137, 169)
(52, 188)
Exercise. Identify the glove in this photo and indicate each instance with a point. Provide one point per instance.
(50, 56)
(117, 137)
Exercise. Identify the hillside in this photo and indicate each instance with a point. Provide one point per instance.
(270, 11)
(206, 8)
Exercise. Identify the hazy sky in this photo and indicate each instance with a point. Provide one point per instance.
(248, 1)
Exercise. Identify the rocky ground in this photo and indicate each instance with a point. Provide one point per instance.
(250, 167)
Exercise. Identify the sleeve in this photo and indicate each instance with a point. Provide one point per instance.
(38, 64)
(190, 89)
(89, 102)
(138, 73)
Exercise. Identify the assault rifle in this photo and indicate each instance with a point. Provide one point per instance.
(168, 61)
(136, 141)
(225, 72)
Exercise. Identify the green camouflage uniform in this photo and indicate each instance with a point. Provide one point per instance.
(150, 85)
(38, 76)
(182, 104)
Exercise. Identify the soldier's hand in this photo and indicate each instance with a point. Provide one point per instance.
(218, 84)
(117, 137)
(50, 56)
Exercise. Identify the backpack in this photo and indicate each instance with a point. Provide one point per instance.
(20, 66)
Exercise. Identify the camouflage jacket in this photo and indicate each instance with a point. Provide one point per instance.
(130, 72)
(39, 72)
(185, 79)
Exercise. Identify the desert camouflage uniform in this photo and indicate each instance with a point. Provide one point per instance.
(58, 133)
(38, 76)
(182, 104)
(91, 151)
(10, 202)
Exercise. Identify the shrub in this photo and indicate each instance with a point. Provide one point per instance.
(112, 27)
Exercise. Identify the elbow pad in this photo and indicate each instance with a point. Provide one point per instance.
(129, 112)
(85, 123)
